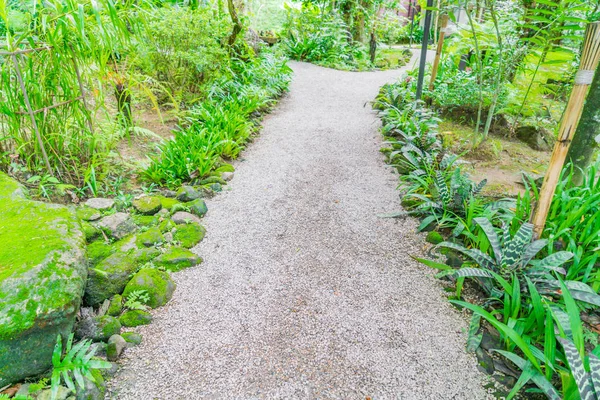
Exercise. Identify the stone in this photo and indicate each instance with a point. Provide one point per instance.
(43, 271)
(168, 202)
(163, 213)
(177, 258)
(132, 338)
(166, 225)
(92, 390)
(116, 345)
(63, 393)
(168, 237)
(88, 214)
(133, 318)
(187, 193)
(189, 235)
(198, 207)
(99, 329)
(146, 220)
(117, 225)
(116, 305)
(100, 204)
(110, 276)
(434, 237)
(109, 372)
(216, 187)
(182, 217)
(89, 231)
(98, 251)
(227, 176)
(212, 180)
(535, 137)
(169, 193)
(147, 205)
(158, 285)
(150, 238)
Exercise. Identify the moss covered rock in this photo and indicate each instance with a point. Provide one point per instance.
(168, 202)
(150, 238)
(92, 390)
(116, 305)
(88, 214)
(189, 235)
(187, 193)
(98, 251)
(158, 285)
(42, 276)
(145, 220)
(117, 225)
(133, 318)
(99, 329)
(177, 258)
(132, 337)
(166, 225)
(111, 275)
(89, 231)
(434, 237)
(147, 205)
(198, 207)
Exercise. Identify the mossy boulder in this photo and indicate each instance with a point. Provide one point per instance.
(189, 235)
(99, 329)
(133, 318)
(111, 275)
(98, 251)
(145, 220)
(166, 225)
(187, 193)
(177, 258)
(116, 305)
(147, 205)
(42, 276)
(213, 179)
(89, 231)
(92, 390)
(198, 207)
(434, 237)
(117, 225)
(132, 338)
(158, 285)
(168, 202)
(88, 214)
(150, 238)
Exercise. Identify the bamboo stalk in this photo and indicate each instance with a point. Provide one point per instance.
(44, 109)
(438, 52)
(589, 61)
(31, 114)
(82, 91)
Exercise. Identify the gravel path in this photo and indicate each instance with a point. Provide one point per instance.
(304, 292)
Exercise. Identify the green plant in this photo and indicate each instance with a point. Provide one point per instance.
(137, 300)
(77, 363)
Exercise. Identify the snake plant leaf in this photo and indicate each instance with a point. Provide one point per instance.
(444, 193)
(595, 372)
(482, 259)
(582, 377)
(473, 272)
(474, 339)
(556, 259)
(515, 247)
(492, 237)
(562, 320)
(532, 250)
(537, 378)
(479, 187)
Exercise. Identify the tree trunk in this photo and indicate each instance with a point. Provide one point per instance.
(237, 25)
(123, 96)
(373, 47)
(583, 144)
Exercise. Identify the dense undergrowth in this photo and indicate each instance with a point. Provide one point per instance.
(535, 293)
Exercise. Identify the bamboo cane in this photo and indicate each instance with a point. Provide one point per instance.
(589, 61)
(438, 52)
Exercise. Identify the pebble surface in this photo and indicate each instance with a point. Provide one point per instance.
(304, 292)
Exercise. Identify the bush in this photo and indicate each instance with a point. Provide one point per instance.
(219, 127)
(182, 49)
(394, 29)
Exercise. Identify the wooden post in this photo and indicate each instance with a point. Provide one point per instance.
(589, 61)
(438, 52)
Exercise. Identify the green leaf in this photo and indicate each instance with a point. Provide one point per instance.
(474, 339)
(578, 370)
(491, 235)
(574, 319)
(432, 264)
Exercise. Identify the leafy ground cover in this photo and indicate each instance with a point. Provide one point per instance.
(534, 294)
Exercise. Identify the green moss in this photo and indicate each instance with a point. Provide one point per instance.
(98, 251)
(116, 305)
(213, 179)
(145, 220)
(434, 237)
(166, 225)
(132, 337)
(177, 258)
(167, 202)
(158, 285)
(189, 235)
(87, 213)
(150, 238)
(89, 231)
(147, 205)
(133, 318)
(109, 326)
(198, 207)
(10, 188)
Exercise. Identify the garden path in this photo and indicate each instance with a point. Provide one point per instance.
(304, 291)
